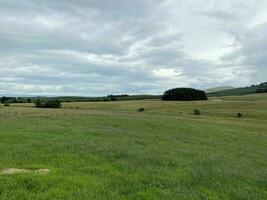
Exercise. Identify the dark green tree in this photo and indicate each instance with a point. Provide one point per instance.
(184, 94)
(55, 103)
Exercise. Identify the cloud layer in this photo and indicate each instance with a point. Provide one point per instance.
(93, 47)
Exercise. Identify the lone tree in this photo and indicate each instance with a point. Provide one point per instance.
(184, 94)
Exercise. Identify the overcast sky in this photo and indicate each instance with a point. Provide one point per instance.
(99, 47)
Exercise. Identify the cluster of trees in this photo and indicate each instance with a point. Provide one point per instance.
(55, 103)
(184, 94)
(39, 103)
(120, 95)
(262, 90)
(111, 98)
(264, 84)
(15, 100)
(115, 97)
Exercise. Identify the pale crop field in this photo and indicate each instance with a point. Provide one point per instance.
(109, 150)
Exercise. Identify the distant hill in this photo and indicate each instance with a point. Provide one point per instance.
(211, 92)
(106, 98)
(241, 91)
(217, 89)
(78, 98)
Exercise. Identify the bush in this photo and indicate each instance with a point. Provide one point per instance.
(53, 104)
(141, 110)
(48, 104)
(184, 94)
(239, 115)
(6, 104)
(38, 103)
(196, 112)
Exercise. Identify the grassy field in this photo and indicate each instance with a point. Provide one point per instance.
(108, 150)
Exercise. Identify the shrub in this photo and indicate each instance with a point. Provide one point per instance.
(184, 94)
(48, 104)
(196, 112)
(239, 115)
(141, 110)
(53, 104)
(38, 103)
(6, 104)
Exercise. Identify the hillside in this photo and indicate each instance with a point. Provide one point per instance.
(217, 89)
(241, 91)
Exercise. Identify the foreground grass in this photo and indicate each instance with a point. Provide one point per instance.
(110, 151)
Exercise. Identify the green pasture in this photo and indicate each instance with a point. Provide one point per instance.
(109, 150)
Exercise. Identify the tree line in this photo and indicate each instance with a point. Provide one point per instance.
(15, 100)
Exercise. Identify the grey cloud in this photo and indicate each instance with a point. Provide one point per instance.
(251, 51)
(142, 46)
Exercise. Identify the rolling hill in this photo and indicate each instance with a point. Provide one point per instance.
(217, 89)
(241, 91)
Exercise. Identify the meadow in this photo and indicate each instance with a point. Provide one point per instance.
(109, 150)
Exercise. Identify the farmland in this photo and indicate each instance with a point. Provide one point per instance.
(109, 150)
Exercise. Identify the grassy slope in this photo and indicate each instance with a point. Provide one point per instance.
(217, 89)
(107, 150)
(238, 91)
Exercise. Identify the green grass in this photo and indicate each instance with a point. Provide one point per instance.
(109, 150)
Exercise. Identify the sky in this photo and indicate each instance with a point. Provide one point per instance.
(100, 47)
